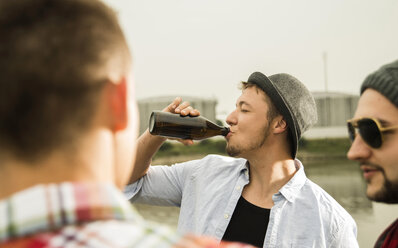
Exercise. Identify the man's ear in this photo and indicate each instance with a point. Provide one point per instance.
(280, 124)
(117, 102)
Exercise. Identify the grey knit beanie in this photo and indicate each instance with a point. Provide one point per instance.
(385, 81)
(292, 99)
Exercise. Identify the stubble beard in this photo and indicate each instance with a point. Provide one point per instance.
(238, 149)
(388, 192)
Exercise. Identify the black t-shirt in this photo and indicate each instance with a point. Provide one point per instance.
(248, 224)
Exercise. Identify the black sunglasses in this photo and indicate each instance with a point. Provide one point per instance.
(370, 130)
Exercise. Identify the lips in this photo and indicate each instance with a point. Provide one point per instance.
(369, 171)
(229, 135)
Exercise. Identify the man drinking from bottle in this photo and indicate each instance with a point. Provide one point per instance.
(260, 195)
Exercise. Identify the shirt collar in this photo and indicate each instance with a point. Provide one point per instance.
(245, 168)
(292, 188)
(49, 207)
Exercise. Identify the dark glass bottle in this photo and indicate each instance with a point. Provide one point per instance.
(183, 127)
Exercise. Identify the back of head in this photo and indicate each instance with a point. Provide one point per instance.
(55, 57)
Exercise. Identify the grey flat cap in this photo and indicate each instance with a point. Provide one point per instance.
(292, 99)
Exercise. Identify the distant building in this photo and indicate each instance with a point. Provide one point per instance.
(206, 106)
(334, 109)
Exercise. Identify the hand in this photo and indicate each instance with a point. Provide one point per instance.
(191, 241)
(176, 107)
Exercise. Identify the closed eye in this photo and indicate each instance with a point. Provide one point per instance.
(243, 106)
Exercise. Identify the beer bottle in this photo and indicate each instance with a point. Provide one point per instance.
(183, 127)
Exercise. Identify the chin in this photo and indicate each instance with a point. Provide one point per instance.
(385, 194)
(232, 151)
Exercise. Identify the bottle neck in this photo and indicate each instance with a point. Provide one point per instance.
(224, 131)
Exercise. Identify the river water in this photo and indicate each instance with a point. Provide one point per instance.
(342, 180)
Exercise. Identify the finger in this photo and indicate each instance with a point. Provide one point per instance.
(172, 106)
(181, 107)
(195, 112)
(187, 142)
(190, 111)
(186, 111)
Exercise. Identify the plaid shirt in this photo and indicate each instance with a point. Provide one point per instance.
(389, 238)
(76, 215)
(81, 215)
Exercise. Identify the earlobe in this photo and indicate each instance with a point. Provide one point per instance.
(117, 99)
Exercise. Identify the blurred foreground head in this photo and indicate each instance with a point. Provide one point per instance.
(65, 89)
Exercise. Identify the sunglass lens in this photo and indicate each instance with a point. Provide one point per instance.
(351, 131)
(370, 133)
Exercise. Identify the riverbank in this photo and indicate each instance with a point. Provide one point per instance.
(312, 150)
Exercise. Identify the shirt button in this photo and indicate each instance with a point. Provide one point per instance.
(226, 216)
(237, 187)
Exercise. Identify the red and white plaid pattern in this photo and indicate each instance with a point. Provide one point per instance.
(76, 215)
(82, 215)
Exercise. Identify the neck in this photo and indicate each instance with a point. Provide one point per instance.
(272, 176)
(270, 170)
(89, 161)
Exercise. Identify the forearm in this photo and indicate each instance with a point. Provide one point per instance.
(147, 146)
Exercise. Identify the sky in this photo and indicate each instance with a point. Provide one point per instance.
(204, 48)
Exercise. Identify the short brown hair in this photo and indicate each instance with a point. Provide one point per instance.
(273, 111)
(53, 59)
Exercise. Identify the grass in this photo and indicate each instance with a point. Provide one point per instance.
(209, 146)
(325, 146)
(333, 148)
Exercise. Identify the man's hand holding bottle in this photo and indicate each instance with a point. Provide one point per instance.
(184, 109)
(182, 122)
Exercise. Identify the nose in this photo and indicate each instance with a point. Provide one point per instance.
(231, 118)
(359, 150)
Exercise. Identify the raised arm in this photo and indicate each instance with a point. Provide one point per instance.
(148, 144)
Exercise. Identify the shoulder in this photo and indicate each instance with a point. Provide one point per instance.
(219, 162)
(102, 233)
(212, 165)
(213, 159)
(331, 213)
(224, 160)
(132, 233)
(325, 200)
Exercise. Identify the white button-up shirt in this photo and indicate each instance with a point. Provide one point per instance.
(208, 190)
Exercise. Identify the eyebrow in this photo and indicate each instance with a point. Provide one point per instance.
(243, 103)
(383, 122)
